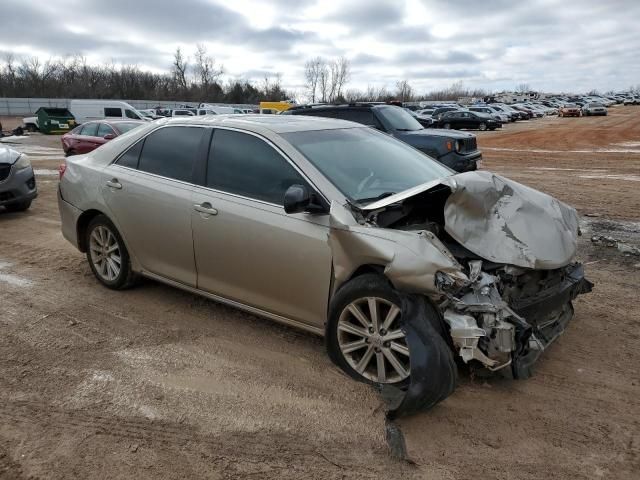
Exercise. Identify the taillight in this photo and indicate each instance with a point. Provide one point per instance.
(61, 169)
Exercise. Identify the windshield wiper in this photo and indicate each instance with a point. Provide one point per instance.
(375, 199)
(409, 129)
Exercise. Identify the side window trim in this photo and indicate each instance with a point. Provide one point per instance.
(270, 144)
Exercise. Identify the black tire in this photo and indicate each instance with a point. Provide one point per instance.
(482, 127)
(31, 128)
(69, 153)
(18, 207)
(446, 126)
(125, 278)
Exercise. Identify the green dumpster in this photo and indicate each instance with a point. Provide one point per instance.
(55, 120)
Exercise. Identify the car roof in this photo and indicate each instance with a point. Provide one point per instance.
(256, 122)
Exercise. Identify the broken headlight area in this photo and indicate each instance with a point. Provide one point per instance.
(504, 319)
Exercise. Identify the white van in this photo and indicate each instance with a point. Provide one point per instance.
(208, 109)
(87, 110)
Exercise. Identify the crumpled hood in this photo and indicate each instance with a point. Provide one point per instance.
(503, 221)
(506, 222)
(8, 155)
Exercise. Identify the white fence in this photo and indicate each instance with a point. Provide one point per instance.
(20, 107)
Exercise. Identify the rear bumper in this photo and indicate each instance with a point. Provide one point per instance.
(20, 186)
(69, 216)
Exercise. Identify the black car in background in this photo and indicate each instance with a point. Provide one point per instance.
(439, 111)
(457, 150)
(459, 119)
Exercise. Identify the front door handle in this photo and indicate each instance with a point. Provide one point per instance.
(205, 208)
(114, 183)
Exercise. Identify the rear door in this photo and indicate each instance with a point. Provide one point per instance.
(247, 248)
(149, 193)
(87, 140)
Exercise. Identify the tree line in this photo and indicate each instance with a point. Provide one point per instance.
(200, 78)
(196, 79)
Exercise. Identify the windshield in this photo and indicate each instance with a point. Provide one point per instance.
(131, 114)
(398, 119)
(595, 104)
(366, 165)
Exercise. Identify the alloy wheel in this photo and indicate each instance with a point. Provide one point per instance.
(371, 341)
(105, 253)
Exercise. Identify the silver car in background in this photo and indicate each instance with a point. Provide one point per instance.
(338, 229)
(17, 180)
(594, 108)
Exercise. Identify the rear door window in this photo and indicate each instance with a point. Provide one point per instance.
(246, 165)
(90, 130)
(104, 129)
(323, 113)
(171, 152)
(130, 157)
(364, 117)
(113, 112)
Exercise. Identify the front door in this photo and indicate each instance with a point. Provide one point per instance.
(247, 248)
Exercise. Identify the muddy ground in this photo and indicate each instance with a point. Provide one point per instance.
(157, 383)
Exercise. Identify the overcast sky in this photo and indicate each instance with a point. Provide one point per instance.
(553, 45)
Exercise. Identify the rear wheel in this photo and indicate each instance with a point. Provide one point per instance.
(482, 126)
(69, 152)
(364, 337)
(107, 255)
(447, 126)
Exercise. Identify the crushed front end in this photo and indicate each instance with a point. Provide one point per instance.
(504, 318)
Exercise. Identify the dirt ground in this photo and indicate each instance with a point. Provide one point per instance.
(157, 383)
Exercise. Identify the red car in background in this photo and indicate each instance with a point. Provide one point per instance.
(90, 135)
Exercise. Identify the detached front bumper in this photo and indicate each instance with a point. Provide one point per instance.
(507, 333)
(18, 187)
(547, 314)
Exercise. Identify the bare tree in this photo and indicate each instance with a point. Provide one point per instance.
(312, 76)
(523, 88)
(323, 81)
(341, 75)
(404, 91)
(179, 69)
(206, 70)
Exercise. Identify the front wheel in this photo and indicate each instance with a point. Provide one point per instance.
(107, 255)
(447, 126)
(363, 335)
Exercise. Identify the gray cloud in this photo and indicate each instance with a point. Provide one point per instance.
(551, 44)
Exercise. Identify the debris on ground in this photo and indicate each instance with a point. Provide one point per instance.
(607, 241)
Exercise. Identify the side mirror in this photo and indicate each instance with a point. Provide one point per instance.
(299, 199)
(109, 136)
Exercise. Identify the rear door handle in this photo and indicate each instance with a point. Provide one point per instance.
(114, 183)
(205, 208)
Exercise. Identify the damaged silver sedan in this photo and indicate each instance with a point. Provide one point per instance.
(338, 229)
